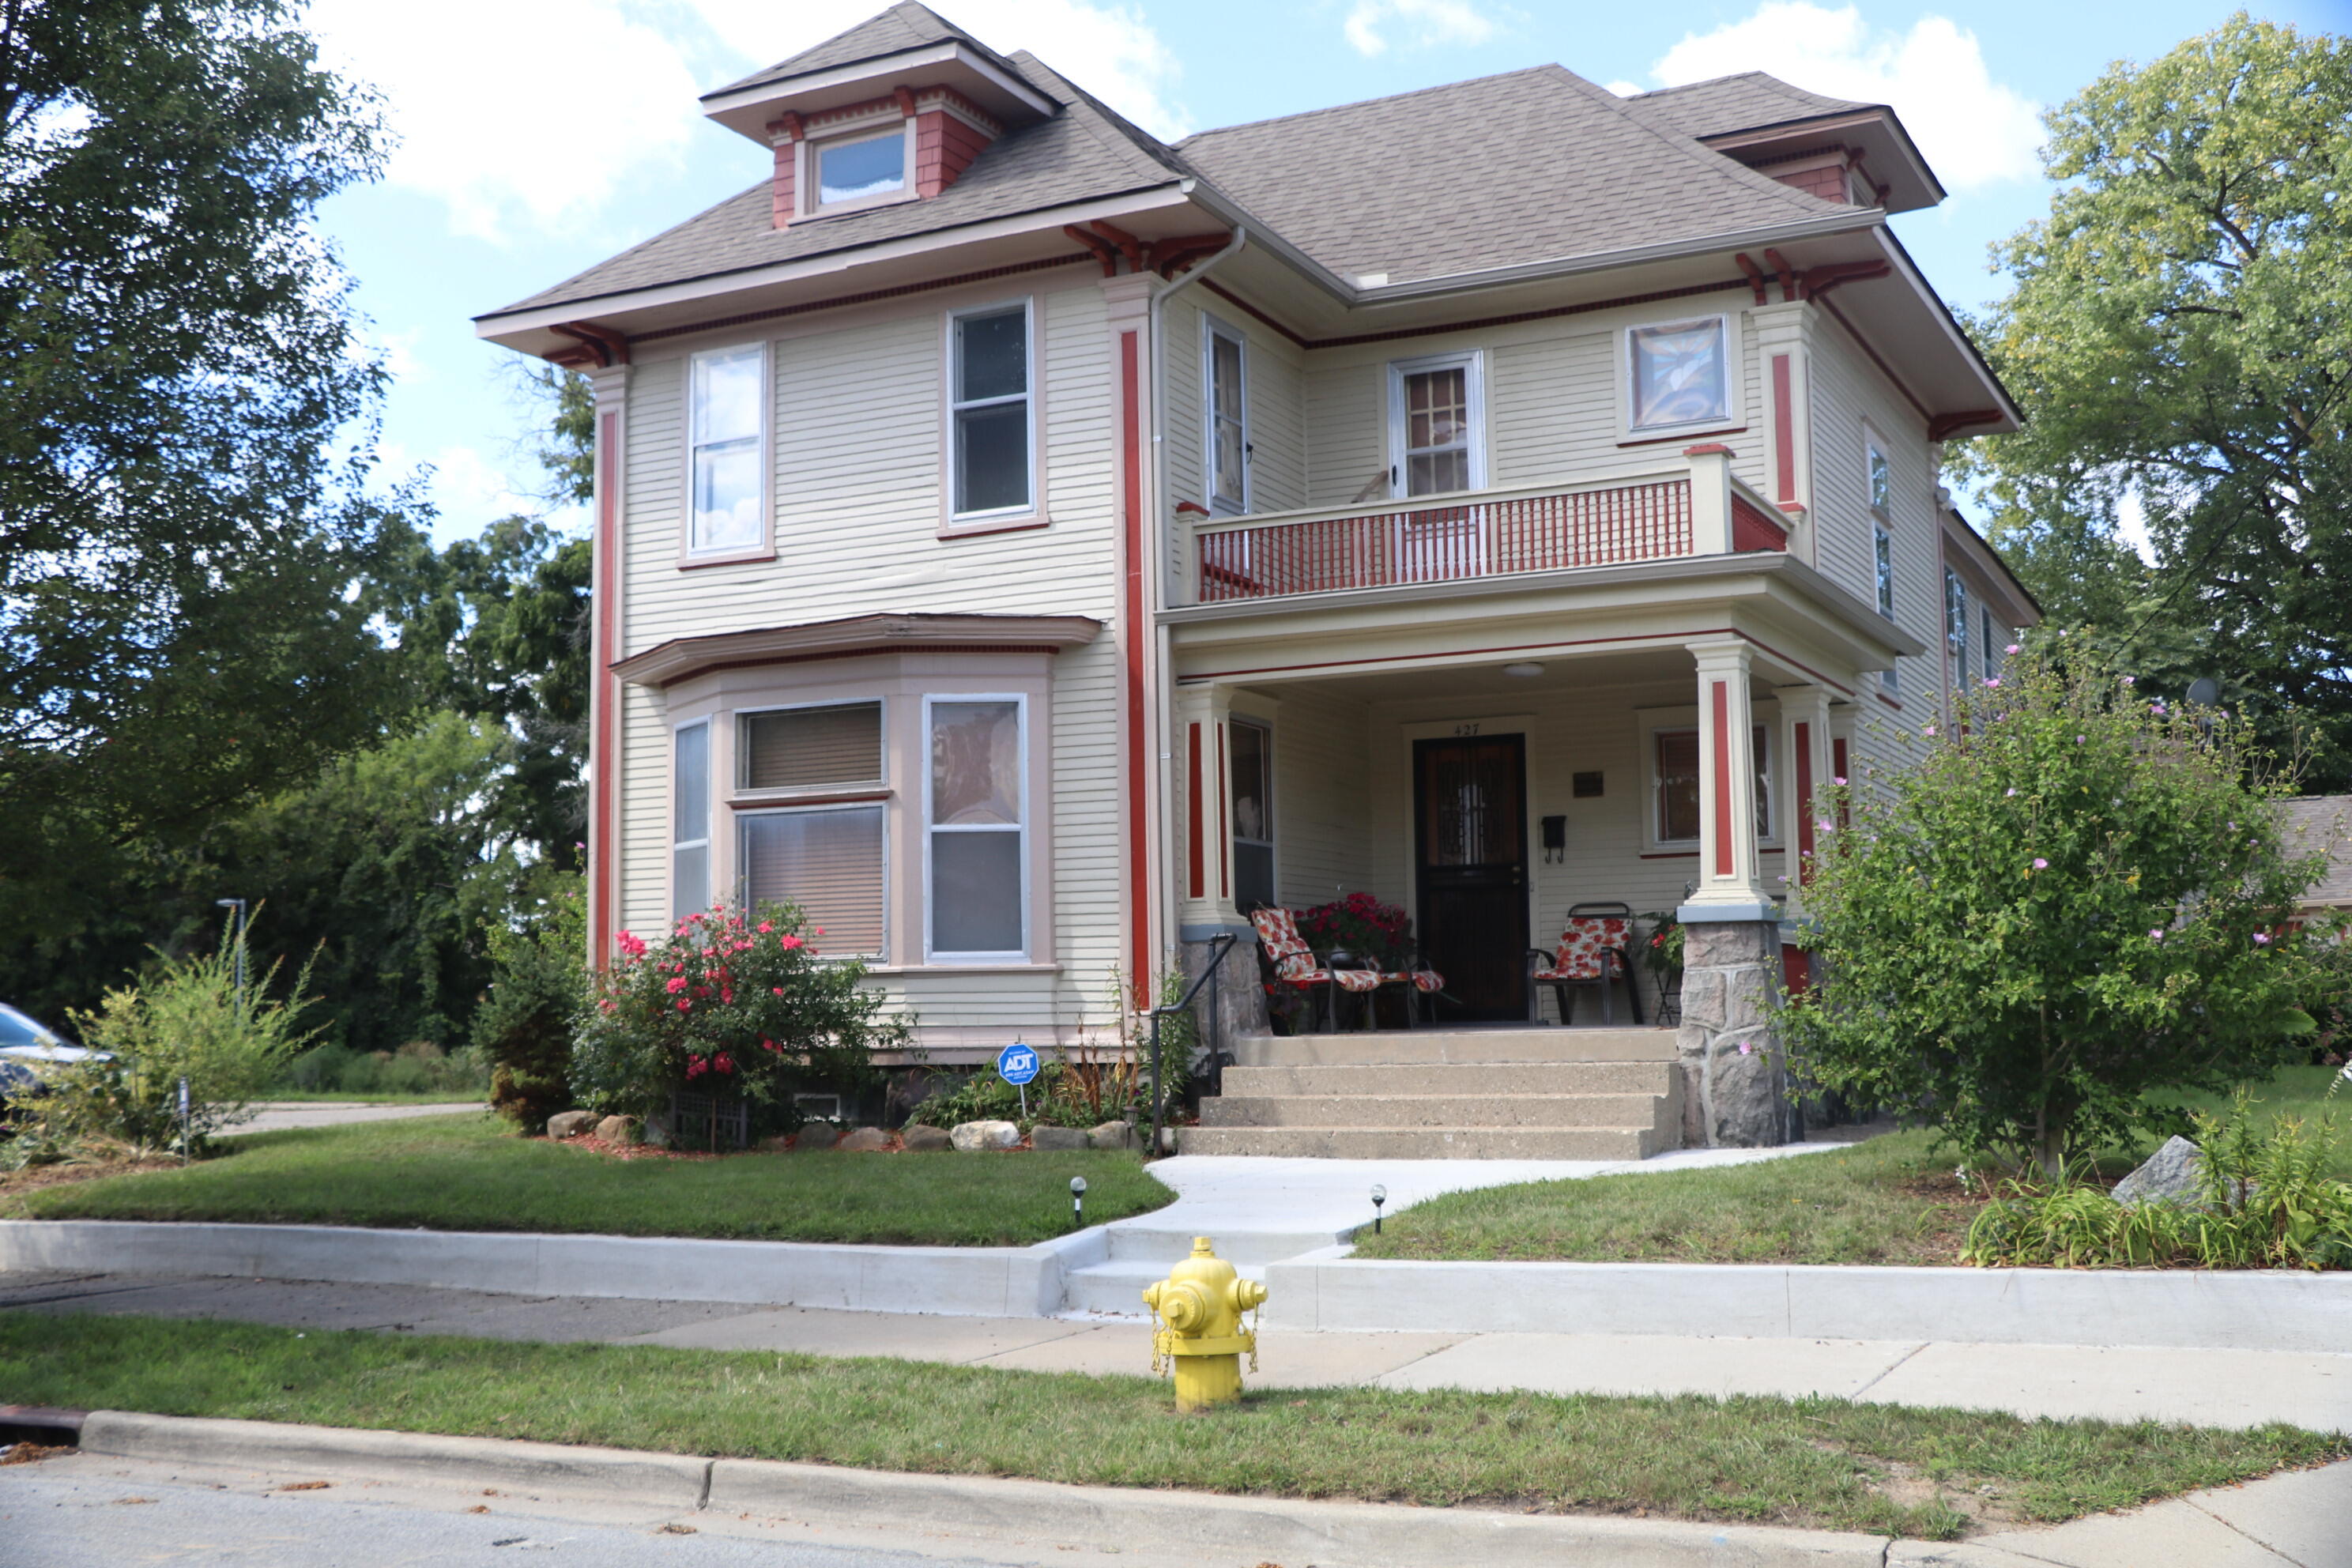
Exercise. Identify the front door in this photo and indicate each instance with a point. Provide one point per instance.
(1470, 846)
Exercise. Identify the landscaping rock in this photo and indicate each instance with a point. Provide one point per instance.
(657, 1131)
(2173, 1174)
(777, 1143)
(969, 1137)
(614, 1128)
(565, 1124)
(1057, 1138)
(919, 1140)
(863, 1140)
(1111, 1135)
(816, 1135)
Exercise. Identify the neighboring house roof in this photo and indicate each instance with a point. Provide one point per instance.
(1082, 153)
(1530, 166)
(1742, 102)
(906, 25)
(2322, 823)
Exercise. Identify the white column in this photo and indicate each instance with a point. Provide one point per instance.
(1783, 350)
(1729, 886)
(1710, 498)
(1204, 858)
(1804, 769)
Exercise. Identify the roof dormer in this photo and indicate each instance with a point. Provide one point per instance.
(892, 110)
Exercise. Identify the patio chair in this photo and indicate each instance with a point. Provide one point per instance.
(1592, 952)
(1299, 966)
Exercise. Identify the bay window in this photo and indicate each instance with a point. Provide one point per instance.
(829, 861)
(975, 810)
(689, 833)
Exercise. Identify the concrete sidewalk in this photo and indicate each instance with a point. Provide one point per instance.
(278, 1115)
(2205, 1388)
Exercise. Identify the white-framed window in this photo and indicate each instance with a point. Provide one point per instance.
(1224, 410)
(689, 820)
(1678, 375)
(828, 746)
(1882, 566)
(867, 166)
(727, 397)
(989, 416)
(975, 836)
(1956, 628)
(1879, 476)
(833, 861)
(1988, 647)
(1437, 421)
(1672, 764)
(1252, 770)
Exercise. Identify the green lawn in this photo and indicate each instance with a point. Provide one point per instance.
(1817, 1462)
(1887, 1201)
(469, 1172)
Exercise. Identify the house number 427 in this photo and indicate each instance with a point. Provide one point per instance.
(1465, 729)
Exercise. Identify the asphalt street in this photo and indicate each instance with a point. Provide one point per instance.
(83, 1511)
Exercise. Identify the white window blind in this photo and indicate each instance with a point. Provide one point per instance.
(827, 859)
(689, 879)
(802, 748)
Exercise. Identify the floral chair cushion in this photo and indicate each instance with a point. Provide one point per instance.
(1294, 962)
(1591, 947)
(1278, 930)
(1424, 980)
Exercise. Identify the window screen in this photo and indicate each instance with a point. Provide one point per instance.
(690, 881)
(1252, 768)
(828, 860)
(976, 833)
(803, 747)
(1438, 430)
(1679, 374)
(1228, 433)
(989, 395)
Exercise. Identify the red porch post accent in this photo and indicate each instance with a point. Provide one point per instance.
(1196, 880)
(1225, 834)
(1721, 697)
(1796, 969)
(1784, 433)
(1804, 749)
(604, 760)
(1131, 641)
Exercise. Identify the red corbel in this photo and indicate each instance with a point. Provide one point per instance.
(1792, 282)
(1104, 252)
(1755, 274)
(607, 347)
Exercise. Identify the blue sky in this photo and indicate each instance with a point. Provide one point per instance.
(563, 131)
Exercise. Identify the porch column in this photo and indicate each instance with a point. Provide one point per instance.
(1805, 746)
(1784, 345)
(1204, 858)
(1734, 1078)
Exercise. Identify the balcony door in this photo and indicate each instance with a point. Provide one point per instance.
(1470, 851)
(1437, 449)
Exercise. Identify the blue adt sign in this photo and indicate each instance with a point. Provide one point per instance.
(1016, 1064)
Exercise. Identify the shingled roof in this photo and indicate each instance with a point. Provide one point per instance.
(1532, 165)
(906, 25)
(1742, 102)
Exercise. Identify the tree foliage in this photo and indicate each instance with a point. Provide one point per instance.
(183, 555)
(2078, 899)
(2181, 338)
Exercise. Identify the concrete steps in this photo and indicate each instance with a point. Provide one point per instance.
(1434, 1094)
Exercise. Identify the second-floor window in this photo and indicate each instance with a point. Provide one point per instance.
(1680, 373)
(989, 410)
(1955, 627)
(1988, 647)
(1882, 559)
(1228, 422)
(1435, 421)
(727, 415)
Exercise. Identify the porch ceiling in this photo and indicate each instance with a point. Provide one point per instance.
(1481, 682)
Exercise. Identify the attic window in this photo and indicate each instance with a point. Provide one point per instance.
(859, 170)
(1680, 373)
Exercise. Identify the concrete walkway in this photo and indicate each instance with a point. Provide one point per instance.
(2205, 1388)
(278, 1115)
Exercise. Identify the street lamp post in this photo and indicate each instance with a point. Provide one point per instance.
(241, 917)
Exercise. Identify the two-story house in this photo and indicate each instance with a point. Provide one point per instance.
(1030, 545)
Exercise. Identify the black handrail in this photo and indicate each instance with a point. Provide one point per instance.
(1224, 943)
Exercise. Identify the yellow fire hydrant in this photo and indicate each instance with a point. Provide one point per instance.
(1200, 1304)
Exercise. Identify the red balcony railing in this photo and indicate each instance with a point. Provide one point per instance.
(1485, 534)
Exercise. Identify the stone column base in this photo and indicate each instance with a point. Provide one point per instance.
(1239, 995)
(1735, 1069)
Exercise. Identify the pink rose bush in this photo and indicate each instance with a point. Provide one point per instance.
(740, 1007)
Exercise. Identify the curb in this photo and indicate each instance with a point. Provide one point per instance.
(1330, 1533)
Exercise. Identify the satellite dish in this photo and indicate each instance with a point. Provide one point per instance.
(2205, 691)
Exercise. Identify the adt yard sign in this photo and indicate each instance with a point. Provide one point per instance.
(1016, 1064)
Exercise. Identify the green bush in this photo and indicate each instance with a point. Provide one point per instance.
(186, 1020)
(419, 1067)
(2075, 899)
(2266, 1201)
(537, 1000)
(737, 1007)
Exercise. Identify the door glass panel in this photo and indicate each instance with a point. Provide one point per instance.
(1226, 397)
(1437, 431)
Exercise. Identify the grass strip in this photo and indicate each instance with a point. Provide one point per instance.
(467, 1173)
(1887, 1201)
(1818, 1463)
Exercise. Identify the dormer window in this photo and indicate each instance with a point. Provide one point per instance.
(858, 171)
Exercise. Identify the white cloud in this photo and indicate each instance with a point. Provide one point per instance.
(468, 491)
(514, 112)
(1423, 23)
(1108, 49)
(1972, 130)
(1626, 89)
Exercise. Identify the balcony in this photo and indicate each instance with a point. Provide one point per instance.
(1485, 533)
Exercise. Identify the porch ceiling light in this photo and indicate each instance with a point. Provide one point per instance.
(1524, 671)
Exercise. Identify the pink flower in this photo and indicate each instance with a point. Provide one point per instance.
(2010, 648)
(630, 946)
(2156, 934)
(723, 1062)
(726, 995)
(777, 989)
(2011, 790)
(675, 985)
(2261, 939)
(766, 926)
(2131, 680)
(1824, 824)
(788, 941)
(1928, 730)
(1993, 683)
(2040, 864)
(1839, 782)
(684, 1005)
(1745, 1049)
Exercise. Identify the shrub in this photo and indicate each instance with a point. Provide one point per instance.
(2265, 1202)
(185, 1020)
(420, 1066)
(730, 1005)
(536, 1001)
(2076, 899)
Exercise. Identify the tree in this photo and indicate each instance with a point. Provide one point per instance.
(2181, 338)
(185, 616)
(2079, 897)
